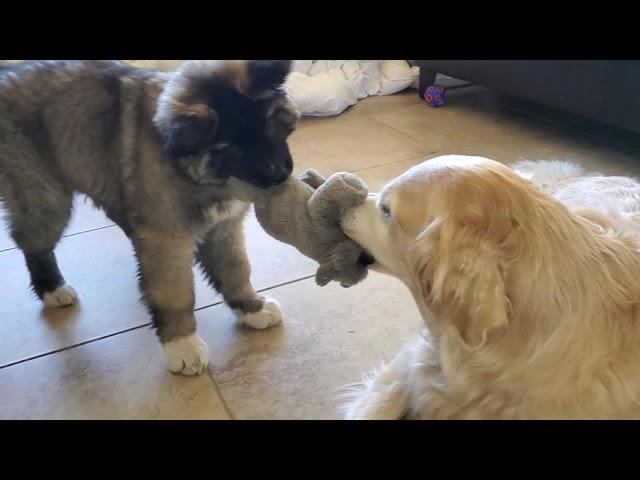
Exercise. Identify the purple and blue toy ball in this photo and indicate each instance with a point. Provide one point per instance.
(435, 95)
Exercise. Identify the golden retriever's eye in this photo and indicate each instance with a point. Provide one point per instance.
(385, 210)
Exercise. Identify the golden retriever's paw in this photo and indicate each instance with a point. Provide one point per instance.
(376, 397)
(187, 355)
(61, 297)
(269, 315)
(353, 400)
(357, 410)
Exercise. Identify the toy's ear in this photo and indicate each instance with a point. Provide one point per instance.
(312, 178)
(347, 264)
(346, 189)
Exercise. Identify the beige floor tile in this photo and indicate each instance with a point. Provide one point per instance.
(329, 338)
(387, 103)
(563, 142)
(347, 144)
(121, 377)
(482, 124)
(446, 128)
(378, 177)
(84, 217)
(101, 267)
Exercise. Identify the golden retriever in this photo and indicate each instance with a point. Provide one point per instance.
(528, 280)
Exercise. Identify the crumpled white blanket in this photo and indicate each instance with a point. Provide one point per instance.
(328, 87)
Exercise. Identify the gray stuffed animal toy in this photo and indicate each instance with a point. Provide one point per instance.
(306, 212)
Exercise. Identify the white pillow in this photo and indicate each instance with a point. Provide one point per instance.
(321, 95)
(396, 76)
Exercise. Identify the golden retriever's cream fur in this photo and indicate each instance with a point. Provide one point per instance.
(529, 288)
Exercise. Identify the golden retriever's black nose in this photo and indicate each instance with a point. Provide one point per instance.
(366, 259)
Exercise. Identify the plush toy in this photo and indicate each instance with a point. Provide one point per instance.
(306, 212)
(435, 95)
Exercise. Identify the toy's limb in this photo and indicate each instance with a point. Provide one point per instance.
(312, 178)
(339, 192)
(347, 264)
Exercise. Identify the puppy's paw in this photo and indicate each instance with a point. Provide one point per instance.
(187, 355)
(269, 315)
(61, 297)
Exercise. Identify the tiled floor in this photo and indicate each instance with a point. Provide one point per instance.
(101, 360)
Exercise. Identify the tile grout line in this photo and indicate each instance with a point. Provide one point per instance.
(66, 236)
(218, 392)
(391, 163)
(137, 327)
(265, 289)
(421, 142)
(69, 347)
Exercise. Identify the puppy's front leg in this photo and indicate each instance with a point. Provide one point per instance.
(166, 281)
(224, 260)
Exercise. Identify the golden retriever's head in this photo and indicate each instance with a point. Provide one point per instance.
(450, 228)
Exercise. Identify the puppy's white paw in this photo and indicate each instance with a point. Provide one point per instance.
(61, 297)
(271, 314)
(187, 355)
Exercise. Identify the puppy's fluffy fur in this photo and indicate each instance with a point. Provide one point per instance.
(528, 282)
(155, 151)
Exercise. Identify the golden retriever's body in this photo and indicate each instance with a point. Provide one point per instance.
(530, 293)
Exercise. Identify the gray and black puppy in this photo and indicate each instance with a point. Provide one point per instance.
(154, 150)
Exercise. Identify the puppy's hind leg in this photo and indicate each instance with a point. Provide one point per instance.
(39, 209)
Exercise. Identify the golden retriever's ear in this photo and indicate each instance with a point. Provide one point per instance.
(464, 286)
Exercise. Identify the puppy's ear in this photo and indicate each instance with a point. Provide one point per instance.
(267, 74)
(188, 125)
(463, 283)
(188, 129)
(189, 135)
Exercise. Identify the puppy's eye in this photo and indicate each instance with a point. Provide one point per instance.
(385, 210)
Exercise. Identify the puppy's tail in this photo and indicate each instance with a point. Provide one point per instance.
(545, 173)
